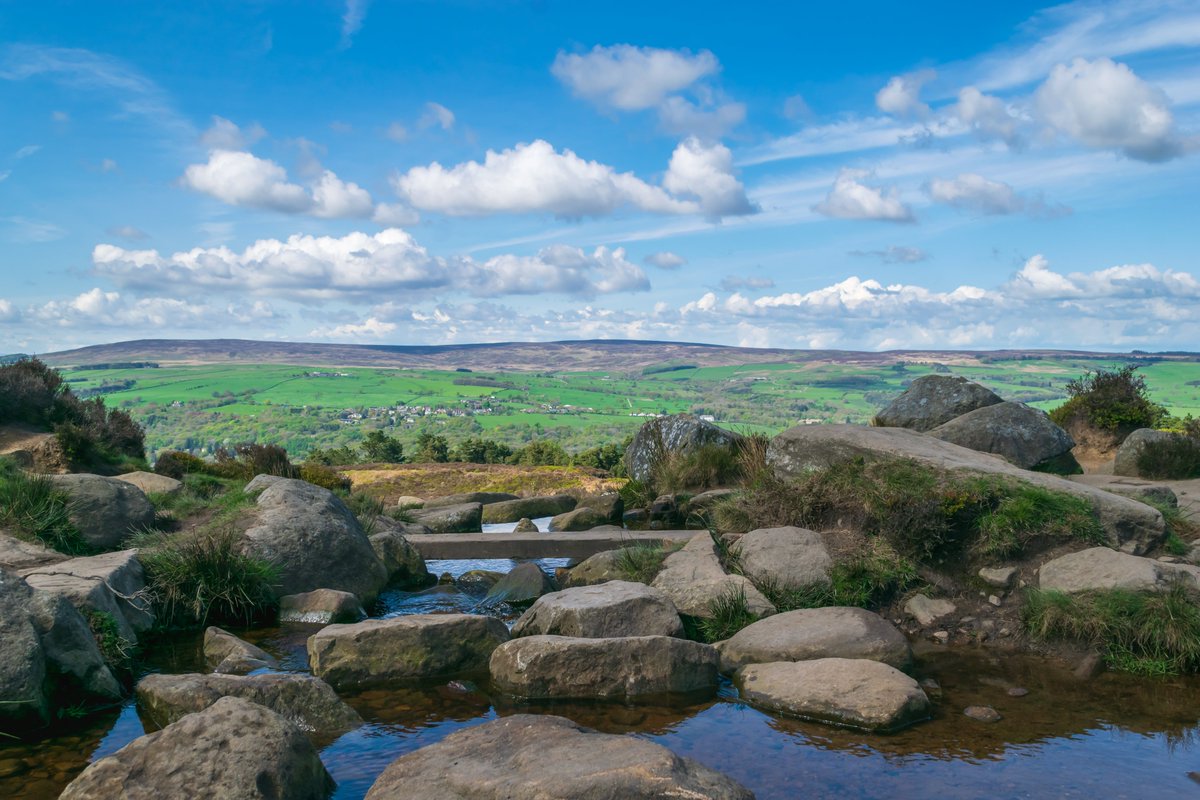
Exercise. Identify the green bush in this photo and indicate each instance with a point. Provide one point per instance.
(33, 508)
(1110, 400)
(327, 477)
(247, 460)
(381, 448)
(868, 579)
(541, 453)
(176, 464)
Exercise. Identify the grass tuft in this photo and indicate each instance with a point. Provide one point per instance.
(34, 509)
(641, 562)
(116, 651)
(869, 579)
(728, 614)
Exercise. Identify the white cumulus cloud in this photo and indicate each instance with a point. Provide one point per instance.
(632, 78)
(901, 95)
(972, 192)
(989, 117)
(850, 199)
(705, 172)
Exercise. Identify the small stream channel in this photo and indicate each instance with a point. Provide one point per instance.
(1112, 737)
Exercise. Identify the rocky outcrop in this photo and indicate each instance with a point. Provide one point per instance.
(812, 633)
(531, 507)
(788, 558)
(933, 400)
(562, 667)
(401, 561)
(693, 579)
(524, 584)
(461, 518)
(615, 608)
(856, 693)
(105, 510)
(404, 648)
(227, 654)
(581, 519)
(321, 607)
(111, 583)
(603, 566)
(1125, 462)
(672, 435)
(314, 540)
(1023, 435)
(234, 749)
(482, 498)
(1130, 525)
(1101, 568)
(152, 482)
(528, 757)
(308, 703)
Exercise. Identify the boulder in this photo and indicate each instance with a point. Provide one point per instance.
(320, 607)
(693, 578)
(598, 568)
(535, 757)
(234, 749)
(1023, 435)
(110, 583)
(260, 483)
(615, 608)
(812, 633)
(531, 507)
(105, 510)
(525, 525)
(1101, 568)
(18, 554)
(563, 667)
(227, 654)
(404, 648)
(401, 561)
(1130, 525)
(675, 434)
(789, 558)
(927, 610)
(308, 703)
(932, 400)
(609, 505)
(478, 581)
(851, 692)
(314, 540)
(581, 519)
(483, 498)
(461, 518)
(1125, 462)
(522, 586)
(152, 482)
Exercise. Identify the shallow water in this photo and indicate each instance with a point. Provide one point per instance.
(1112, 737)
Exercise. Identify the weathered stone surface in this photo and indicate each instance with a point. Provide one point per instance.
(526, 525)
(562, 667)
(537, 757)
(932, 400)
(1099, 568)
(604, 566)
(321, 607)
(531, 507)
(1129, 524)
(314, 540)
(152, 482)
(812, 633)
(581, 519)
(483, 498)
(461, 518)
(609, 505)
(999, 577)
(18, 554)
(674, 434)
(858, 693)
(615, 608)
(785, 557)
(1023, 435)
(403, 648)
(110, 583)
(308, 703)
(105, 510)
(524, 584)
(1126, 458)
(401, 561)
(928, 610)
(693, 578)
(234, 749)
(262, 482)
(226, 653)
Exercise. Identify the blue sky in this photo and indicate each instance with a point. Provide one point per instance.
(865, 176)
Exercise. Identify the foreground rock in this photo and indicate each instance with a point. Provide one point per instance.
(401, 561)
(308, 703)
(152, 482)
(314, 540)
(404, 648)
(1130, 525)
(483, 498)
(105, 510)
(581, 519)
(460, 518)
(531, 507)
(676, 434)
(788, 558)
(1023, 435)
(603, 566)
(527, 757)
(111, 583)
(856, 693)
(234, 749)
(524, 584)
(546, 667)
(693, 579)
(812, 633)
(321, 607)
(1125, 462)
(1101, 568)
(615, 608)
(227, 654)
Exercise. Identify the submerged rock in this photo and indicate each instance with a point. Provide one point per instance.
(615, 608)
(933, 400)
(812, 633)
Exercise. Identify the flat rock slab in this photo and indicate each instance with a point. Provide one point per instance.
(321, 607)
(615, 608)
(404, 648)
(111, 583)
(693, 578)
(1101, 568)
(562, 667)
(855, 693)
(813, 633)
(460, 518)
(527, 757)
(539, 545)
(234, 749)
(308, 703)
(152, 482)
(483, 498)
(18, 554)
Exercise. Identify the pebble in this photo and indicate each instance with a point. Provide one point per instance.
(942, 636)
(994, 600)
(983, 713)
(1018, 691)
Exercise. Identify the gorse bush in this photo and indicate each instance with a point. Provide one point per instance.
(1110, 400)
(33, 508)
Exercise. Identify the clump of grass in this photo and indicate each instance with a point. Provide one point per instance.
(641, 562)
(1146, 633)
(728, 614)
(869, 579)
(34, 509)
(1023, 512)
(116, 651)
(366, 508)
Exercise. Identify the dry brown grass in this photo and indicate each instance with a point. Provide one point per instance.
(388, 482)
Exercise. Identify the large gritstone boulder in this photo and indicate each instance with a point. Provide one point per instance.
(1024, 436)
(811, 633)
(615, 608)
(694, 579)
(105, 510)
(933, 400)
(1126, 460)
(110, 583)
(676, 434)
(788, 558)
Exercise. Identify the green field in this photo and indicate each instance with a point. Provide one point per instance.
(199, 408)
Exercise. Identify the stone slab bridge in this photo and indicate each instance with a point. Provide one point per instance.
(437, 546)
